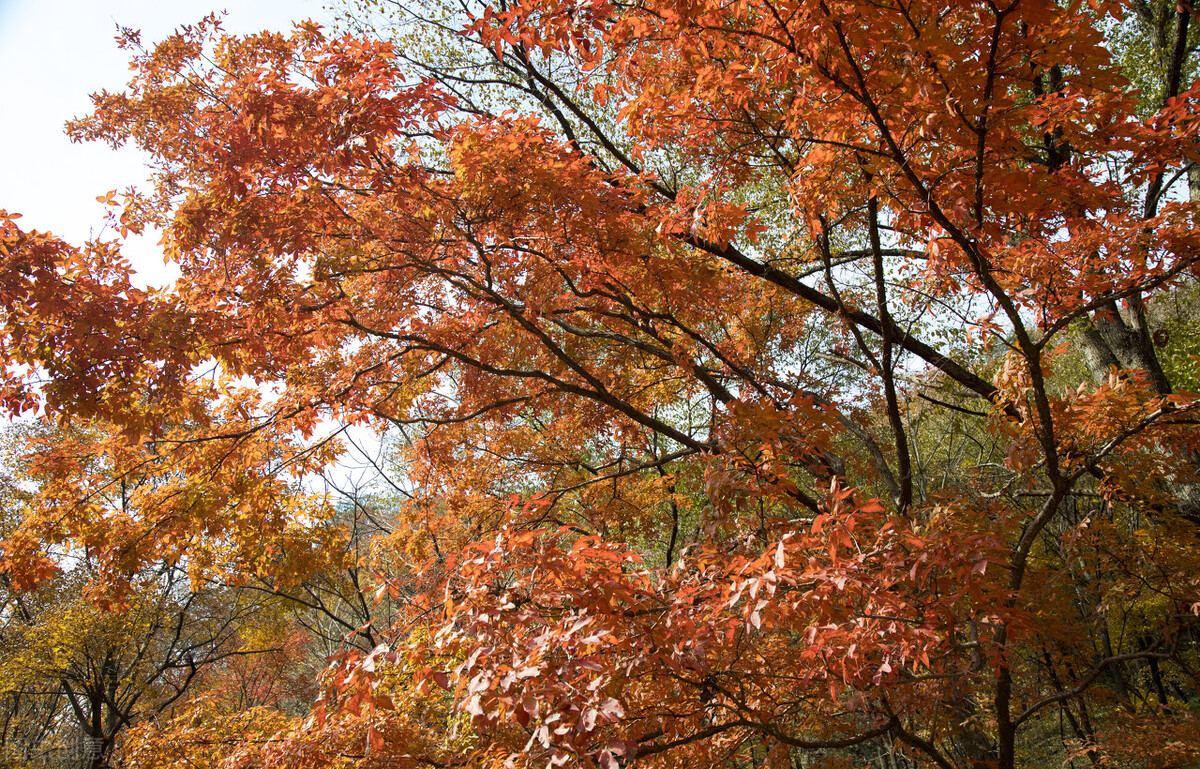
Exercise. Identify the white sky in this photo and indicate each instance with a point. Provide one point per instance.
(53, 54)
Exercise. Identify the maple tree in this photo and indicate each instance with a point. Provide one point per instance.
(735, 349)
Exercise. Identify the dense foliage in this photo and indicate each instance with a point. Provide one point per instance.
(768, 383)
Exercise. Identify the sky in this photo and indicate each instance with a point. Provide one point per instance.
(53, 54)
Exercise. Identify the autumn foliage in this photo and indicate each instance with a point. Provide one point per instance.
(768, 383)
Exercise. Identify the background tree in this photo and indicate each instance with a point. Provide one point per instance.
(78, 669)
(96, 672)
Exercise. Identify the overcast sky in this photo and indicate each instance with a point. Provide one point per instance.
(53, 54)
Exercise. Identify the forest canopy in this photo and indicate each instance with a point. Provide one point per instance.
(780, 383)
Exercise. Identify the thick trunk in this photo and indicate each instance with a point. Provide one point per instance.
(1129, 342)
(1114, 340)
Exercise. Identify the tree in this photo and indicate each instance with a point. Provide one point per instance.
(97, 672)
(688, 311)
(77, 671)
